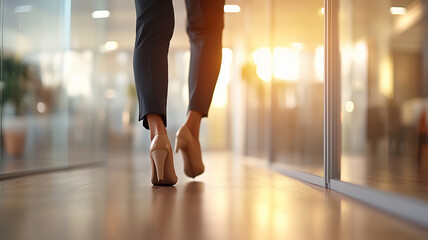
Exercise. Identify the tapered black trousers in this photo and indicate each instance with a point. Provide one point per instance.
(155, 26)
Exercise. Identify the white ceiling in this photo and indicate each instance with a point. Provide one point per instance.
(120, 26)
(292, 21)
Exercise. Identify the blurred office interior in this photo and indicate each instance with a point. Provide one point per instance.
(68, 96)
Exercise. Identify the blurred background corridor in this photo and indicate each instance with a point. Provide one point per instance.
(68, 100)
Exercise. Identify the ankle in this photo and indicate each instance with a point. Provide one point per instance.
(156, 132)
(156, 125)
(194, 130)
(193, 122)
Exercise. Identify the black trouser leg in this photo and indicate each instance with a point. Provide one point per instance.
(204, 27)
(155, 25)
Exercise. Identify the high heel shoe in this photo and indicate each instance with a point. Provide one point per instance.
(163, 172)
(191, 150)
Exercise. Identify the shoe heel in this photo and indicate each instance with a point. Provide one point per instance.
(180, 144)
(159, 157)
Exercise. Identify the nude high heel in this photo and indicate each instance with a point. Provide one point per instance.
(191, 150)
(163, 172)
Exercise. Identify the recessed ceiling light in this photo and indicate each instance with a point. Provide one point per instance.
(41, 107)
(349, 106)
(101, 14)
(23, 8)
(232, 8)
(398, 10)
(110, 45)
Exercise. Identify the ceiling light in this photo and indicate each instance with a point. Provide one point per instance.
(349, 106)
(23, 8)
(110, 45)
(101, 14)
(41, 107)
(232, 8)
(321, 11)
(398, 10)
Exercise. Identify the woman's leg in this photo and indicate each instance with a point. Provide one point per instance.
(155, 26)
(204, 27)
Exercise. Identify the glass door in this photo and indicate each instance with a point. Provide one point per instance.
(384, 88)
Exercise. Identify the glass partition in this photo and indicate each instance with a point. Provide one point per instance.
(249, 92)
(52, 101)
(384, 58)
(298, 84)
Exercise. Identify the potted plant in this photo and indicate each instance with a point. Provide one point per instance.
(15, 78)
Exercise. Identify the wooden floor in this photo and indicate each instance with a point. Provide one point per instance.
(232, 200)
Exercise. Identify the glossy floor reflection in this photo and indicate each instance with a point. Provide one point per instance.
(232, 200)
(394, 174)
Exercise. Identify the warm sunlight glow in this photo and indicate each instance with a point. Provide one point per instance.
(232, 8)
(386, 84)
(398, 10)
(361, 51)
(220, 97)
(290, 98)
(349, 106)
(286, 64)
(262, 59)
(319, 63)
(185, 88)
(297, 46)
